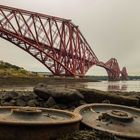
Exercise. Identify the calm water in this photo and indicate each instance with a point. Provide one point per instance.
(115, 86)
(104, 85)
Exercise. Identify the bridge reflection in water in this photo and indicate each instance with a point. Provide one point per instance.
(117, 87)
(124, 86)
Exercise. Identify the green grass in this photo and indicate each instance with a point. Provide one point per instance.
(9, 70)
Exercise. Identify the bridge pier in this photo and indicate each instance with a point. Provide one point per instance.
(124, 74)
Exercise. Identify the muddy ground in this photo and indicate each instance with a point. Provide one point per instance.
(48, 80)
(30, 98)
(18, 98)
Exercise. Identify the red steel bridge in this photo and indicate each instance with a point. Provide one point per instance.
(55, 42)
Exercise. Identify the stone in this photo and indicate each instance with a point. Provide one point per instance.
(32, 103)
(106, 101)
(26, 97)
(2, 102)
(39, 89)
(7, 104)
(32, 95)
(41, 93)
(42, 104)
(50, 102)
(97, 96)
(13, 102)
(20, 102)
(82, 102)
(55, 107)
(7, 96)
(60, 94)
(62, 106)
(10, 103)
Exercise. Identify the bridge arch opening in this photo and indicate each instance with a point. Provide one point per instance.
(34, 50)
(15, 55)
(96, 70)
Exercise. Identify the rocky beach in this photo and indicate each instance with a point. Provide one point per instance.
(52, 93)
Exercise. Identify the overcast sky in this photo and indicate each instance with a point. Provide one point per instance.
(111, 27)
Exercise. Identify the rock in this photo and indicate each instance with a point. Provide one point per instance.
(56, 107)
(65, 95)
(50, 102)
(138, 97)
(7, 104)
(106, 101)
(40, 99)
(7, 96)
(62, 106)
(13, 102)
(42, 103)
(20, 102)
(39, 89)
(60, 94)
(90, 135)
(26, 97)
(32, 95)
(2, 102)
(97, 96)
(82, 102)
(32, 103)
(10, 103)
(41, 93)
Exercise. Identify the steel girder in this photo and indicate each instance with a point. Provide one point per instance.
(112, 68)
(55, 42)
(124, 74)
(115, 72)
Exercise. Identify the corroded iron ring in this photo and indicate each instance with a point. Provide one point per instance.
(119, 115)
(26, 111)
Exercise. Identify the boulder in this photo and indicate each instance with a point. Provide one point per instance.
(32, 103)
(12, 102)
(20, 102)
(50, 102)
(26, 97)
(97, 96)
(5, 103)
(40, 90)
(7, 96)
(60, 94)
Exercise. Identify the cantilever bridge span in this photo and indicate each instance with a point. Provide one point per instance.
(55, 42)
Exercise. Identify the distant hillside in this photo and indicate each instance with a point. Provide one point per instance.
(9, 70)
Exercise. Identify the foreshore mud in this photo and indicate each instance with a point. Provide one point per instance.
(26, 81)
(44, 95)
(53, 94)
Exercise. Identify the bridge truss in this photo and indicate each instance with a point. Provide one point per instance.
(55, 42)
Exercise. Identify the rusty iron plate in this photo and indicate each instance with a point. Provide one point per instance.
(30, 123)
(31, 116)
(119, 120)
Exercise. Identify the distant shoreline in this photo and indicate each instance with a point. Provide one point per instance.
(35, 80)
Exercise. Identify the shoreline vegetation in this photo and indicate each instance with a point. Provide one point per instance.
(9, 71)
(32, 81)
